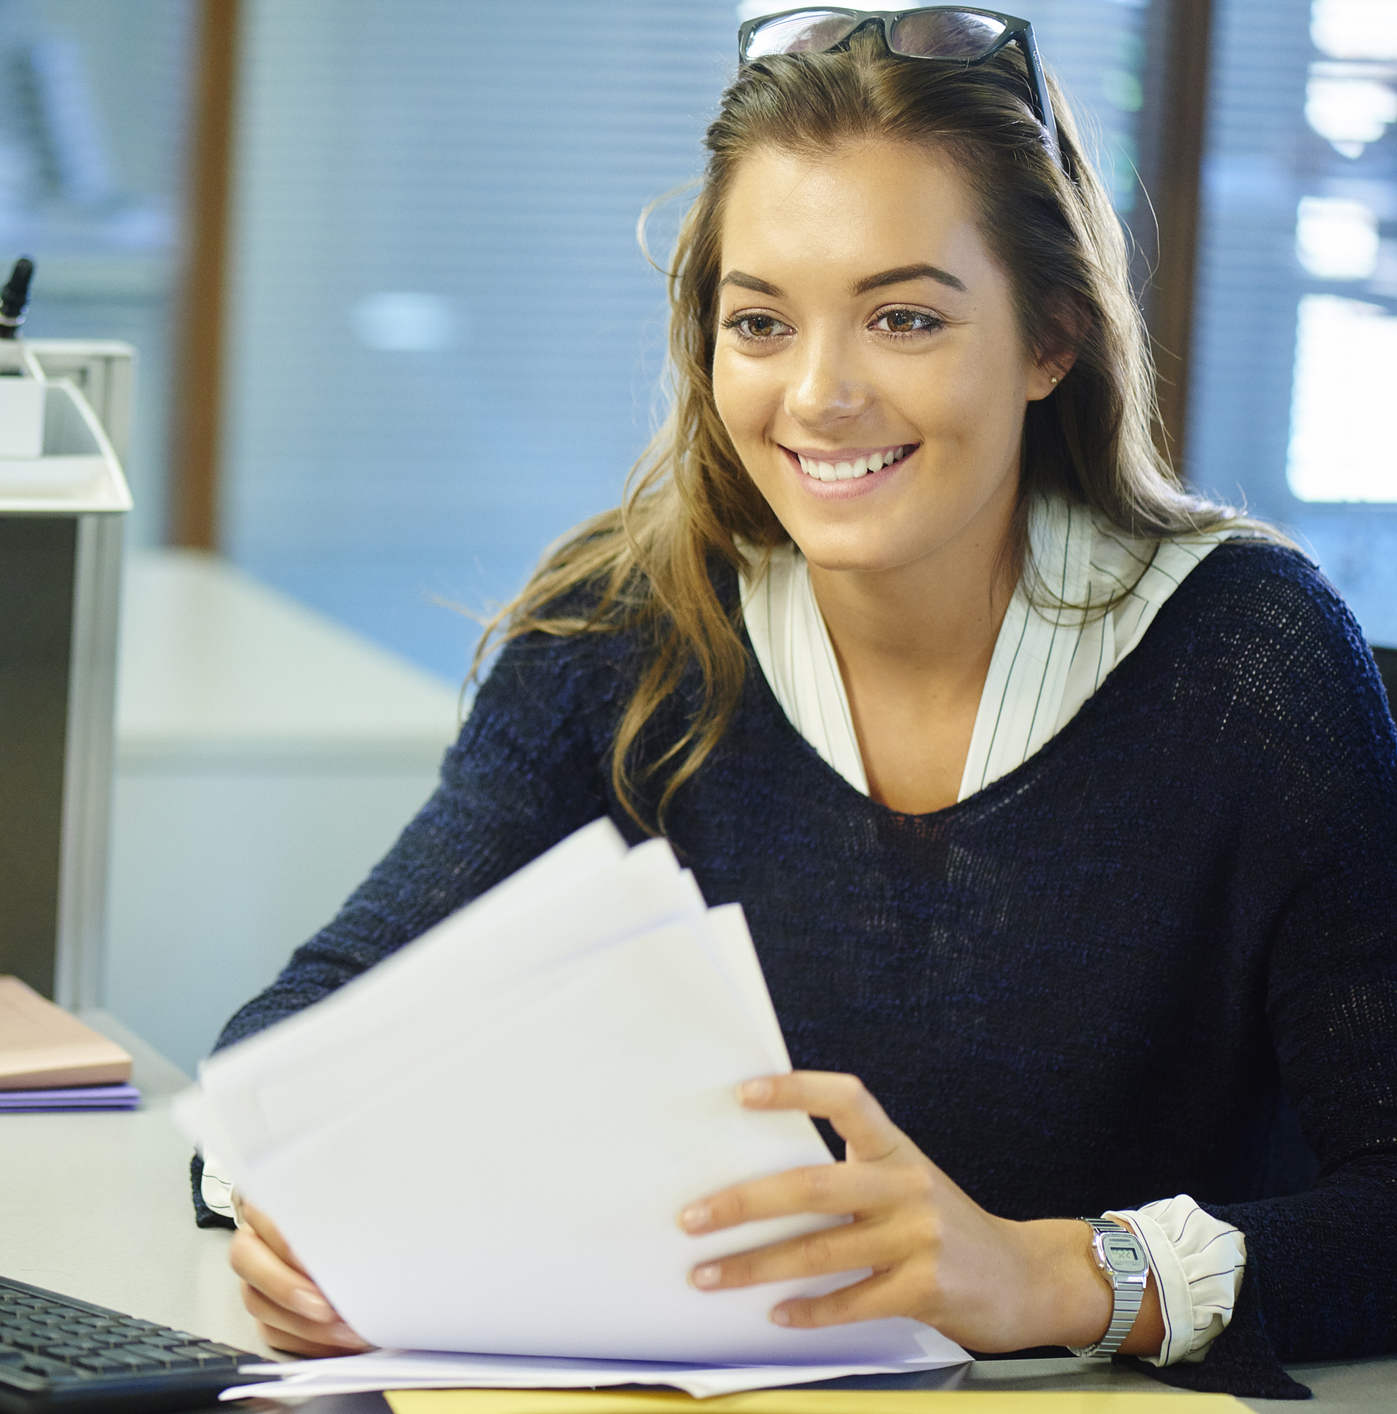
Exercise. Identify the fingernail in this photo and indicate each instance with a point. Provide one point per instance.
(342, 1335)
(694, 1218)
(780, 1316)
(754, 1091)
(705, 1277)
(311, 1306)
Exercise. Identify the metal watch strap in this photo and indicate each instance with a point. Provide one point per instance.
(1127, 1295)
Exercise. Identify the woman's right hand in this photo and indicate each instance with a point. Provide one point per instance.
(291, 1312)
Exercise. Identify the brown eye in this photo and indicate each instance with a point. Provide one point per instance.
(755, 326)
(907, 321)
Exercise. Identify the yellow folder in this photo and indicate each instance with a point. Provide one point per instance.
(810, 1401)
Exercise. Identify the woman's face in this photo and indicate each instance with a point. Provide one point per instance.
(869, 369)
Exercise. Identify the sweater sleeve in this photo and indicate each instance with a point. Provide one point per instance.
(526, 771)
(1318, 1280)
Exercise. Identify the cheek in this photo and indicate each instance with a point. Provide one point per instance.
(973, 398)
(743, 397)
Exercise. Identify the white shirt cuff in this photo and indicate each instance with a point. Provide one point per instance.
(216, 1190)
(1197, 1261)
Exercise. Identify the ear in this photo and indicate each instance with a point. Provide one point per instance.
(1055, 362)
(1048, 373)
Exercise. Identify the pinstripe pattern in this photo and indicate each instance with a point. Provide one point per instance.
(1196, 1260)
(1049, 658)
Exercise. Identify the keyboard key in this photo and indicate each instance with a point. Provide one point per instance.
(147, 1350)
(101, 1364)
(196, 1354)
(134, 1361)
(38, 1365)
(9, 1355)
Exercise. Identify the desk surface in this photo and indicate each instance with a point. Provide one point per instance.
(97, 1206)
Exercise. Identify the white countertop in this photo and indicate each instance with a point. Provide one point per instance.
(97, 1206)
(218, 667)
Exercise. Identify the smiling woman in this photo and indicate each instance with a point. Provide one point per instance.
(1059, 801)
(861, 160)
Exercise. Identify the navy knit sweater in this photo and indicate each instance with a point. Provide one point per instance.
(1118, 973)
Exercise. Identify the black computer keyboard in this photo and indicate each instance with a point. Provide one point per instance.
(57, 1353)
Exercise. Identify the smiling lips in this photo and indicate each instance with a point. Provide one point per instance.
(851, 467)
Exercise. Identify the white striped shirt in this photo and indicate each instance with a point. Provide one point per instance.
(1050, 656)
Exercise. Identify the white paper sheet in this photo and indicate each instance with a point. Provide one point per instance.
(408, 1369)
(484, 1143)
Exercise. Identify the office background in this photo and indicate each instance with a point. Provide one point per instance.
(379, 261)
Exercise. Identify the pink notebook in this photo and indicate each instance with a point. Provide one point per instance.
(42, 1047)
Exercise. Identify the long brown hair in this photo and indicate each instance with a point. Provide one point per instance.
(648, 565)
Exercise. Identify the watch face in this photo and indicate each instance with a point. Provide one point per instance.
(1123, 1252)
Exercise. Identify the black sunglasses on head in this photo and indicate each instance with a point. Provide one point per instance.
(947, 33)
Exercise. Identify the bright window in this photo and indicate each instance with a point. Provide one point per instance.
(1295, 336)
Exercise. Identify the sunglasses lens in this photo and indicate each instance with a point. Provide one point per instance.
(946, 34)
(807, 31)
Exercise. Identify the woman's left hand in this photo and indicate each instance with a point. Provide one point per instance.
(937, 1256)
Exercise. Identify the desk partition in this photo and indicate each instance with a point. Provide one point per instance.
(62, 501)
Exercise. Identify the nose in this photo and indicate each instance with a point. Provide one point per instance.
(826, 388)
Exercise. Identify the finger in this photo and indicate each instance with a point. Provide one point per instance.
(836, 1189)
(255, 1262)
(268, 1231)
(336, 1337)
(294, 1345)
(855, 1114)
(882, 1294)
(835, 1249)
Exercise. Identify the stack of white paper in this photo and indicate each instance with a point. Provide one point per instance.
(483, 1143)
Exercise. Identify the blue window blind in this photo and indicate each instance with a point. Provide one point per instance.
(443, 335)
(1295, 338)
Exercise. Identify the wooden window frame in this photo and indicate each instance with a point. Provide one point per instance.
(199, 336)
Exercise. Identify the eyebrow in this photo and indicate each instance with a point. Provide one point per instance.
(900, 275)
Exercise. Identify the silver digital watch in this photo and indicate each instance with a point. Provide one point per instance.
(1121, 1257)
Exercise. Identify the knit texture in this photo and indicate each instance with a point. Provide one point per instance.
(1095, 983)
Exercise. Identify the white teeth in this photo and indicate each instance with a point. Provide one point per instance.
(850, 470)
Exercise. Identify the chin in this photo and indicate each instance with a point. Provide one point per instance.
(856, 553)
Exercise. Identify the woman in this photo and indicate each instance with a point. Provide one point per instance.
(1059, 801)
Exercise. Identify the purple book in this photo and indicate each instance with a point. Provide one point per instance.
(81, 1097)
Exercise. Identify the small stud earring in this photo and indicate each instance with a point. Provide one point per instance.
(1054, 380)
